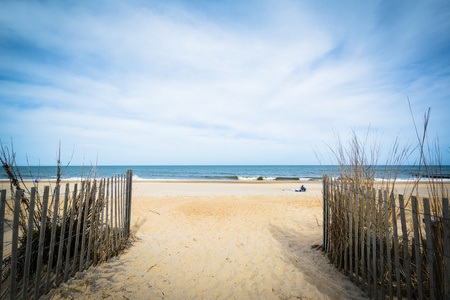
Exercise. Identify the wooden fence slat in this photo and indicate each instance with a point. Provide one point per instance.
(124, 188)
(61, 236)
(388, 243)
(91, 224)
(396, 254)
(116, 234)
(102, 208)
(382, 239)
(119, 212)
(112, 249)
(2, 229)
(328, 215)
(98, 225)
(363, 261)
(29, 244)
(367, 239)
(129, 202)
(325, 207)
(350, 229)
(333, 245)
(430, 246)
(127, 206)
(121, 208)
(336, 218)
(446, 236)
(52, 239)
(343, 226)
(374, 243)
(417, 242)
(356, 234)
(107, 232)
(79, 220)
(333, 221)
(332, 217)
(346, 221)
(83, 238)
(14, 244)
(41, 243)
(406, 261)
(71, 236)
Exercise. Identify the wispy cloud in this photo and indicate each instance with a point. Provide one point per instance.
(234, 83)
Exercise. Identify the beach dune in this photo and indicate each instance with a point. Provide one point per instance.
(218, 240)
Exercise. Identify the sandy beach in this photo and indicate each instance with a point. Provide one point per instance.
(218, 240)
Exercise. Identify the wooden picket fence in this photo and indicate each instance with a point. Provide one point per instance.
(88, 226)
(362, 239)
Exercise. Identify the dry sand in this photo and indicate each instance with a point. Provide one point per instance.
(218, 240)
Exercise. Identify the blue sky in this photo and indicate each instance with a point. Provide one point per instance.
(218, 82)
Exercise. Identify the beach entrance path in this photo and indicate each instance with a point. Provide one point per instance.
(217, 240)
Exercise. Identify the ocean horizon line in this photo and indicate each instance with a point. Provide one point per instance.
(207, 172)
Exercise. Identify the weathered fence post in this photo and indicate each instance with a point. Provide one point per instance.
(69, 242)
(430, 246)
(112, 214)
(325, 205)
(41, 243)
(347, 227)
(61, 236)
(350, 229)
(107, 232)
(116, 234)
(2, 228)
(388, 243)
(77, 235)
(14, 245)
(417, 242)
(367, 239)
(120, 209)
(406, 262)
(52, 239)
(374, 243)
(91, 225)
(381, 239)
(29, 241)
(83, 237)
(129, 196)
(102, 206)
(363, 262)
(356, 234)
(446, 233)
(396, 254)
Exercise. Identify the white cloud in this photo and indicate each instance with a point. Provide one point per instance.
(170, 84)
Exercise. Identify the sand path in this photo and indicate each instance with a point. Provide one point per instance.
(218, 241)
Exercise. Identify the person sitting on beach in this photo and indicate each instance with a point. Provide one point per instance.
(303, 189)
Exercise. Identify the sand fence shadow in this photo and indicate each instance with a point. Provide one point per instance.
(297, 248)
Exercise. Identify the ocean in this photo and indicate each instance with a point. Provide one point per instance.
(211, 173)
